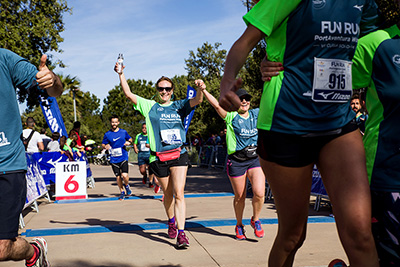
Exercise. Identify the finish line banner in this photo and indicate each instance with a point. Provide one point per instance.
(52, 114)
(191, 93)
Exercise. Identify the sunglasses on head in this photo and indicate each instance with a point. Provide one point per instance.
(247, 98)
(160, 89)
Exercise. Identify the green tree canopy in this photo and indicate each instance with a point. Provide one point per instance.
(208, 62)
(31, 28)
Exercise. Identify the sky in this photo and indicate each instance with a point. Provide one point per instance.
(155, 37)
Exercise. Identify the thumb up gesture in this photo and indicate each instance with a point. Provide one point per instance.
(47, 80)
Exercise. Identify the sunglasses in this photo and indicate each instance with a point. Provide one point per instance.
(247, 98)
(160, 89)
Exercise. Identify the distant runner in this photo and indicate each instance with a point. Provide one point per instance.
(116, 141)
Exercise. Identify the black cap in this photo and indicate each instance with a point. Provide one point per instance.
(241, 92)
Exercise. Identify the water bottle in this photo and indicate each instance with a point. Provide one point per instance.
(120, 62)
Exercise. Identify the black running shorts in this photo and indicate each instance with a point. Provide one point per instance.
(162, 169)
(120, 167)
(12, 201)
(297, 150)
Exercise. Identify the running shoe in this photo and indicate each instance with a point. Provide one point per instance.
(239, 229)
(258, 231)
(41, 244)
(144, 179)
(156, 189)
(128, 190)
(172, 231)
(337, 263)
(122, 196)
(151, 185)
(182, 241)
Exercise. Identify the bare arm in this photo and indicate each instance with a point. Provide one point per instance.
(40, 146)
(234, 62)
(47, 80)
(135, 148)
(214, 102)
(106, 146)
(125, 86)
(200, 86)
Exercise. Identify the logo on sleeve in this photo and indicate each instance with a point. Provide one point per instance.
(396, 60)
(318, 4)
(359, 7)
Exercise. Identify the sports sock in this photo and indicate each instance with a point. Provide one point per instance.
(35, 256)
(172, 220)
(180, 231)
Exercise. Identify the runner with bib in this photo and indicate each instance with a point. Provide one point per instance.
(115, 141)
(305, 119)
(168, 159)
(243, 162)
(142, 148)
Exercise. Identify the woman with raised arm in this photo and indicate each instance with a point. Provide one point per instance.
(243, 162)
(168, 159)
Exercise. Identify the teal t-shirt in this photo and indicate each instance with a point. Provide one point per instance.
(315, 41)
(377, 67)
(15, 72)
(240, 131)
(165, 128)
(141, 140)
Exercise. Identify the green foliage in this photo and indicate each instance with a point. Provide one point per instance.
(208, 62)
(87, 109)
(117, 104)
(251, 74)
(32, 28)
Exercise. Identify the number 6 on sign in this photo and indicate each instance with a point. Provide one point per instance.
(74, 184)
(70, 180)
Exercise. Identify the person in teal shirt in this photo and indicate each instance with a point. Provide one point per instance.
(305, 118)
(17, 72)
(243, 162)
(168, 160)
(376, 66)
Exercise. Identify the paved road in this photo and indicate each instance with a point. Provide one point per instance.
(103, 231)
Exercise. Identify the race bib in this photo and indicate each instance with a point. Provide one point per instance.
(116, 152)
(171, 136)
(143, 146)
(332, 80)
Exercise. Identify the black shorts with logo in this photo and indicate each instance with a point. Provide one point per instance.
(12, 201)
(162, 169)
(120, 167)
(297, 150)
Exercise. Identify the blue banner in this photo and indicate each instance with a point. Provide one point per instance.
(46, 162)
(35, 185)
(52, 115)
(191, 93)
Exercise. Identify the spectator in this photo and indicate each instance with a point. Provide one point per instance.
(197, 142)
(32, 138)
(361, 114)
(45, 138)
(54, 145)
(17, 72)
(76, 129)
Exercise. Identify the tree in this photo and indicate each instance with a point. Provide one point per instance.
(72, 85)
(32, 28)
(117, 104)
(208, 62)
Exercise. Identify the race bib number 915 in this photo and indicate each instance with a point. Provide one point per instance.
(332, 80)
